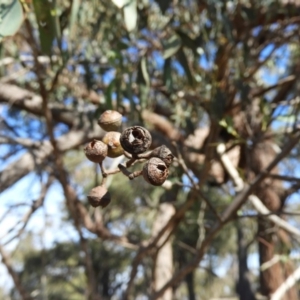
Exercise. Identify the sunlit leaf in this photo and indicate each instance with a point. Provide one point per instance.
(73, 17)
(11, 17)
(171, 46)
(130, 15)
(120, 3)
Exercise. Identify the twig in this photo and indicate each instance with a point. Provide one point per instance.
(36, 204)
(194, 185)
(16, 279)
(261, 208)
(257, 203)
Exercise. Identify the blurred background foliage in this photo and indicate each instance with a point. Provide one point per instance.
(196, 74)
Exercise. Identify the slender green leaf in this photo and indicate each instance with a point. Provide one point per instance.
(130, 15)
(184, 62)
(167, 75)
(73, 17)
(187, 41)
(164, 5)
(108, 95)
(143, 76)
(171, 46)
(120, 3)
(45, 14)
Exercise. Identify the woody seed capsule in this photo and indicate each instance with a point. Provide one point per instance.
(99, 196)
(96, 151)
(112, 140)
(155, 171)
(136, 139)
(110, 120)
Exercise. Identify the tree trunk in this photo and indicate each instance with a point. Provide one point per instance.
(271, 240)
(163, 260)
(189, 279)
(243, 286)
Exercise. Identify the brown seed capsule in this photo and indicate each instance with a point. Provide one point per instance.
(96, 151)
(155, 171)
(112, 140)
(164, 153)
(110, 120)
(136, 139)
(99, 196)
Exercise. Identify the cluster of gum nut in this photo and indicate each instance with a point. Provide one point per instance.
(134, 143)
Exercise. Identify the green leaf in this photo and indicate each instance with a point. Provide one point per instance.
(119, 3)
(287, 118)
(171, 46)
(143, 76)
(167, 75)
(130, 15)
(73, 17)
(164, 5)
(11, 17)
(187, 41)
(227, 123)
(108, 94)
(46, 16)
(184, 62)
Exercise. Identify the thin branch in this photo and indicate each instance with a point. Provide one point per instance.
(35, 205)
(29, 161)
(261, 208)
(14, 275)
(258, 205)
(286, 285)
(238, 201)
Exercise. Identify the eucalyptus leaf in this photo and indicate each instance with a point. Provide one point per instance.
(171, 46)
(167, 74)
(143, 76)
(120, 3)
(163, 4)
(187, 41)
(109, 94)
(184, 63)
(11, 17)
(73, 17)
(45, 14)
(130, 15)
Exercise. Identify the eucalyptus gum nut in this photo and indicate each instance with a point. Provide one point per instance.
(136, 139)
(110, 120)
(96, 151)
(112, 140)
(155, 171)
(164, 153)
(99, 196)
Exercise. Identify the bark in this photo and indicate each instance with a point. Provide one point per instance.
(163, 260)
(189, 279)
(25, 100)
(271, 241)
